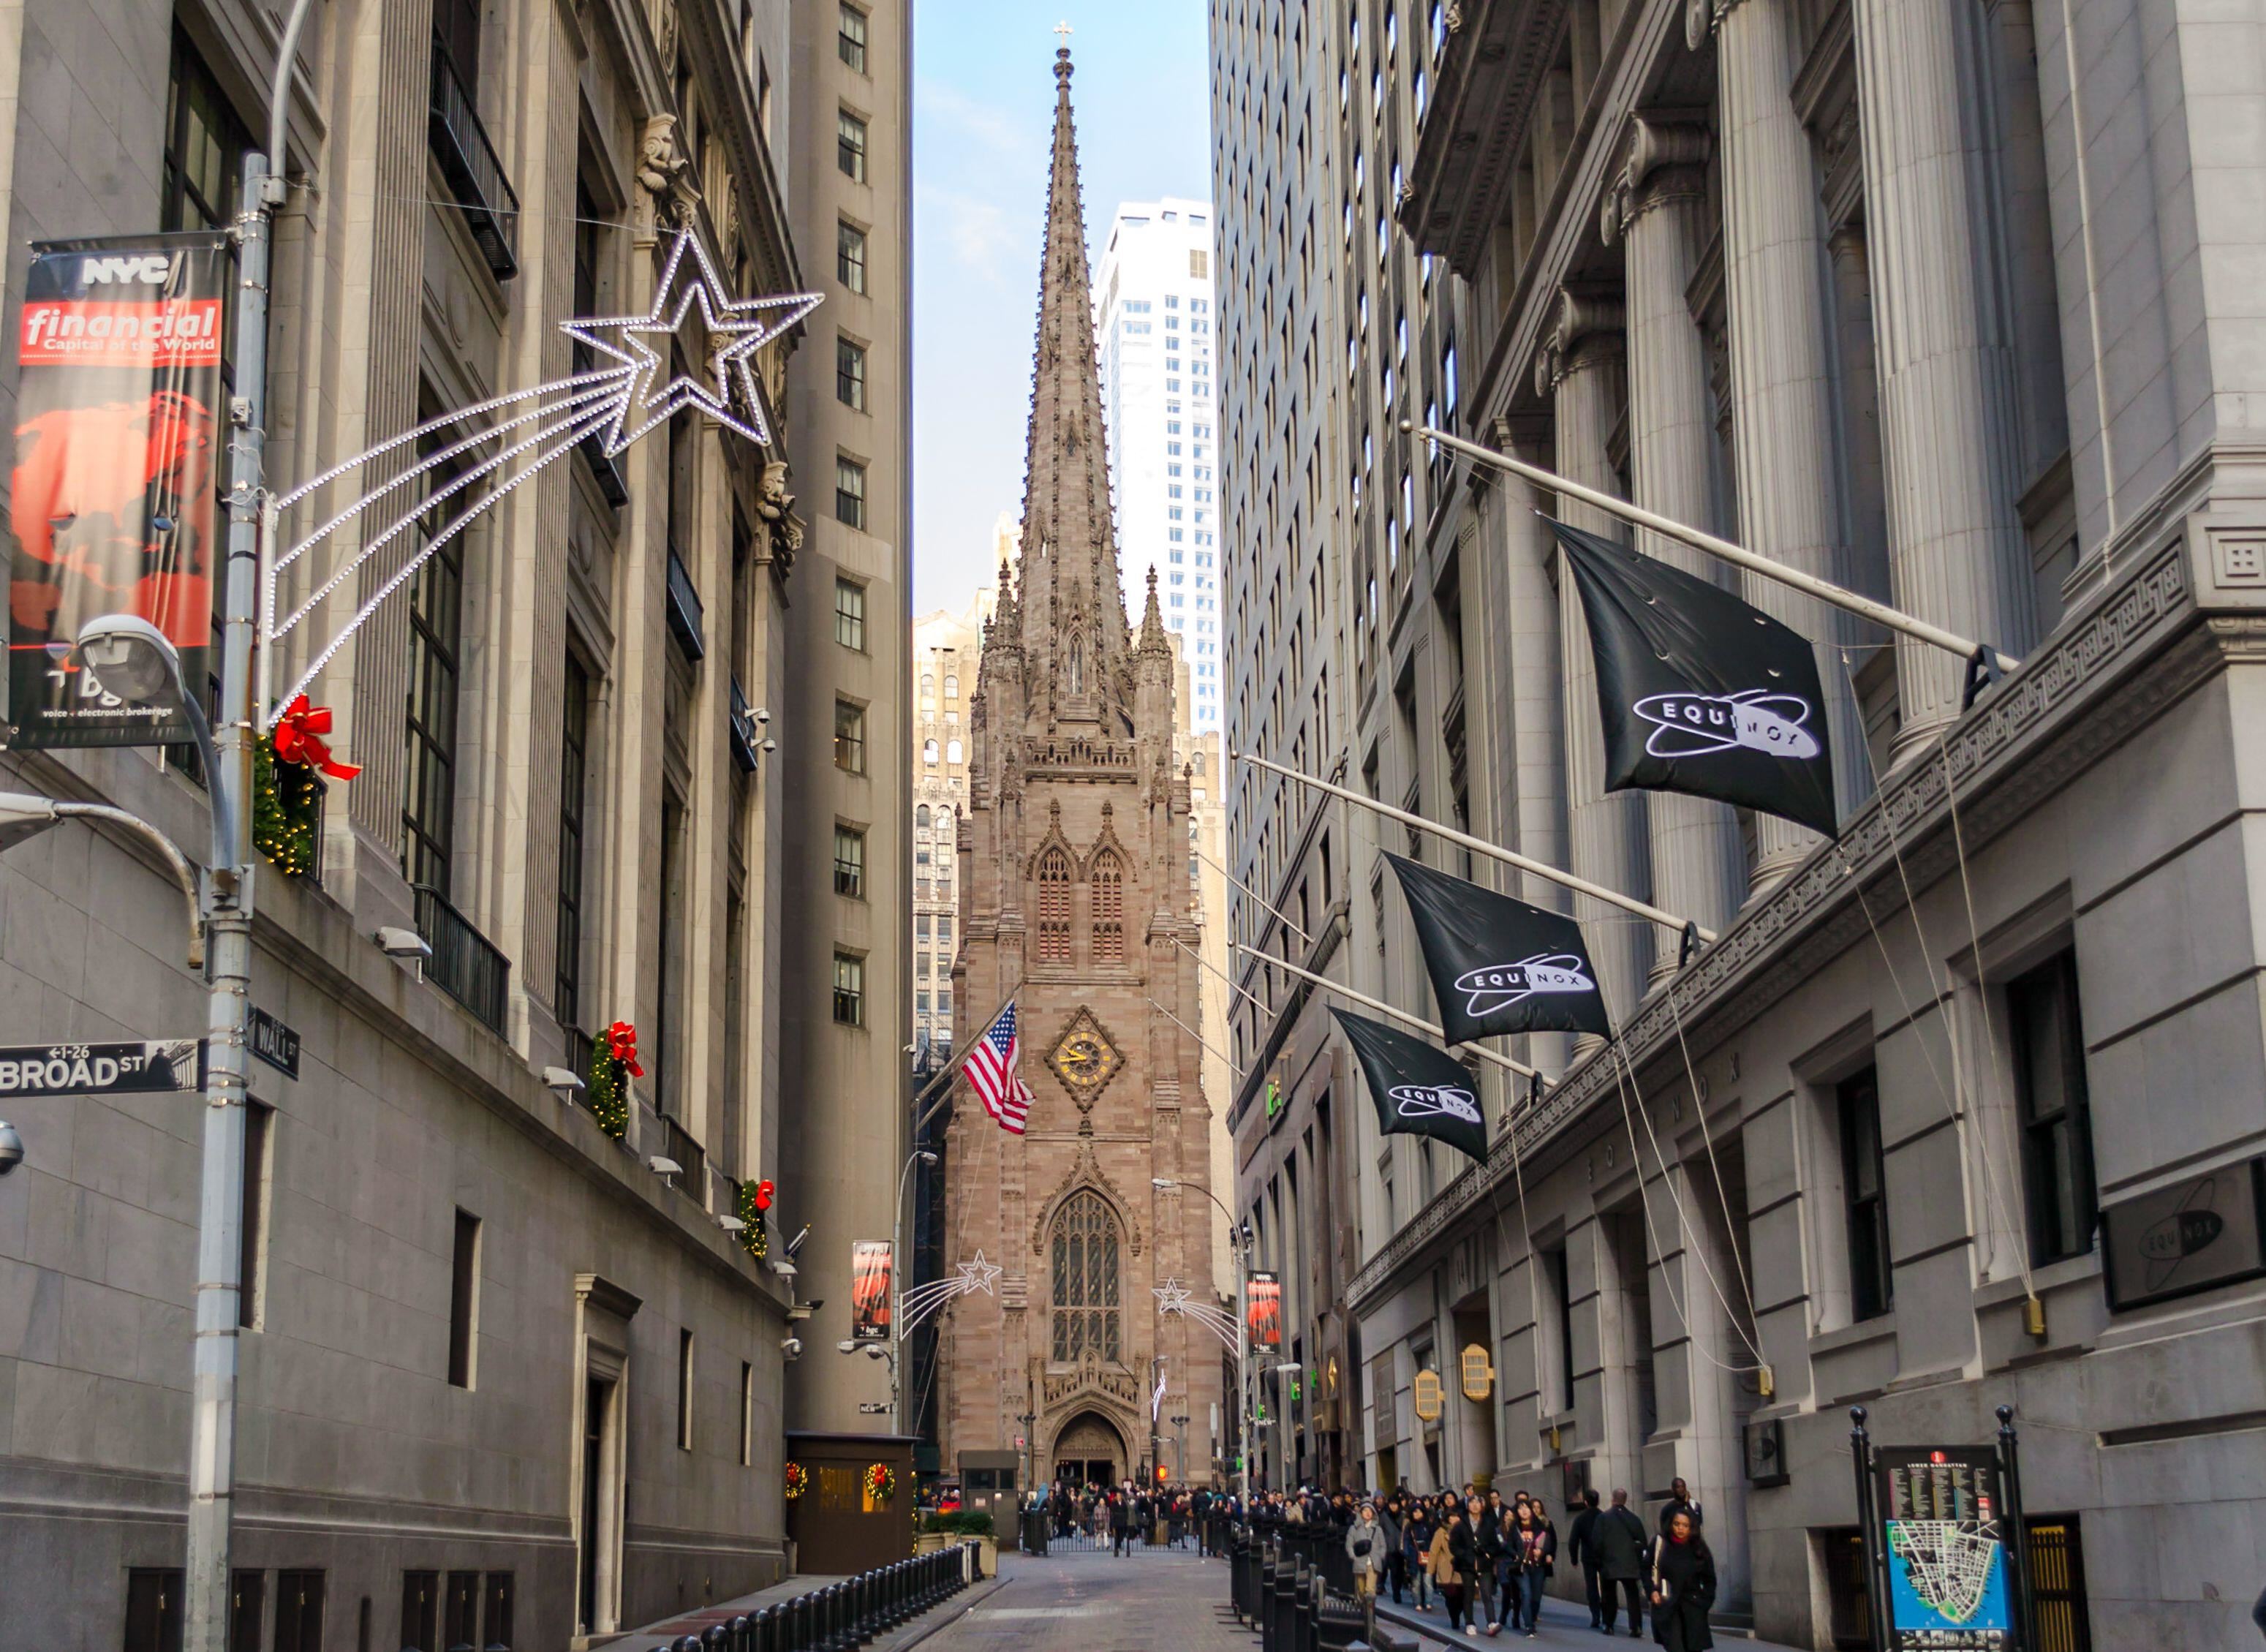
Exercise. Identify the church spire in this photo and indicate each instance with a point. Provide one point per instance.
(1073, 625)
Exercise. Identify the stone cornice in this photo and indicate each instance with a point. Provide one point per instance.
(2083, 694)
(1490, 76)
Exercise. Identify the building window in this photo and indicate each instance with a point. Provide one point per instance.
(951, 690)
(204, 146)
(1864, 1194)
(849, 42)
(465, 1301)
(849, 737)
(420, 1611)
(929, 753)
(299, 1598)
(252, 1232)
(747, 1414)
(1054, 906)
(429, 731)
(155, 1610)
(850, 146)
(1084, 1247)
(850, 862)
(574, 767)
(1109, 883)
(850, 374)
(953, 753)
(849, 492)
(850, 256)
(850, 614)
(684, 1390)
(2057, 1121)
(849, 990)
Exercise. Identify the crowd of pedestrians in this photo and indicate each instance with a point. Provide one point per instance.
(1129, 1515)
(1487, 1561)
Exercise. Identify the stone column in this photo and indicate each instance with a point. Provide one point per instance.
(1948, 424)
(1580, 366)
(1774, 281)
(1655, 204)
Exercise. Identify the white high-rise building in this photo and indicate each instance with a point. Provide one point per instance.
(1152, 322)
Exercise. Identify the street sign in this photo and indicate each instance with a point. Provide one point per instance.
(274, 1043)
(871, 1407)
(138, 1067)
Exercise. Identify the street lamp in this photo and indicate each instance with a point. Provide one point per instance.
(137, 664)
(23, 816)
(1239, 1244)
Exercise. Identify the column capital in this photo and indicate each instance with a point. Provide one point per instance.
(1703, 17)
(1586, 334)
(1663, 163)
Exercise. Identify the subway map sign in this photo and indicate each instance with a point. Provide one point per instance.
(1940, 1511)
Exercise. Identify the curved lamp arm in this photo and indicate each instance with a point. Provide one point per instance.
(24, 814)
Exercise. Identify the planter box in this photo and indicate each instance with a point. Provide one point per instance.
(987, 1557)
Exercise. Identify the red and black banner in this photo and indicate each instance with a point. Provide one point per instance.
(120, 427)
(870, 1262)
(1263, 1309)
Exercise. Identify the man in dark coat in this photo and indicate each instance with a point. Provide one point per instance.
(1121, 1520)
(1618, 1541)
(1679, 1501)
(1580, 1549)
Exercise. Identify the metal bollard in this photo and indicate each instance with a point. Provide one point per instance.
(715, 1638)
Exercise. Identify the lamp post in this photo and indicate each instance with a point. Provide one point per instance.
(918, 1156)
(1029, 1419)
(1239, 1246)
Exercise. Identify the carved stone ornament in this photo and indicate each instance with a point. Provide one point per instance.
(665, 172)
(1085, 1058)
(1581, 317)
(1085, 1171)
(1663, 164)
(775, 506)
(1111, 1388)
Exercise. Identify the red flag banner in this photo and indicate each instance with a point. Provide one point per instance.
(120, 427)
(870, 1261)
(1263, 1300)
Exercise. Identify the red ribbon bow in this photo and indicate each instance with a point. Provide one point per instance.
(763, 1195)
(299, 740)
(621, 1045)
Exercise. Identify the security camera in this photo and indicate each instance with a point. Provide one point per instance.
(785, 1270)
(563, 1082)
(761, 715)
(790, 1346)
(396, 942)
(846, 1345)
(877, 1351)
(12, 1148)
(661, 1165)
(768, 745)
(731, 1224)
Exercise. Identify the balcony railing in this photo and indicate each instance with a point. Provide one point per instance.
(471, 165)
(463, 964)
(676, 1142)
(684, 610)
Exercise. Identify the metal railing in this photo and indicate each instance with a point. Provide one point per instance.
(464, 963)
(845, 1615)
(684, 608)
(470, 163)
(678, 1143)
(1277, 1586)
(743, 731)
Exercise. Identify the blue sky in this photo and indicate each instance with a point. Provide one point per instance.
(983, 113)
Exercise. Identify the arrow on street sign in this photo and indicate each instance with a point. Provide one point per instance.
(138, 1067)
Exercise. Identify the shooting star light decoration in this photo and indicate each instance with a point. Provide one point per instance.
(614, 404)
(924, 1300)
(1173, 1297)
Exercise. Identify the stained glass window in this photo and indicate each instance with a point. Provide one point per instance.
(1085, 1279)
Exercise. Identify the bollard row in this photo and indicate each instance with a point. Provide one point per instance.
(842, 1616)
(1289, 1602)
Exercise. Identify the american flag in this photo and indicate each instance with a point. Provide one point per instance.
(991, 1070)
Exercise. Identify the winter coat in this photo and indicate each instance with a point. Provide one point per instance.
(1439, 1559)
(1618, 1539)
(1371, 1561)
(1121, 1516)
(1683, 1586)
(1533, 1549)
(1580, 1544)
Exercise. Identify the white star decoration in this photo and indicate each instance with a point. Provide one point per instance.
(736, 328)
(977, 1276)
(1172, 1297)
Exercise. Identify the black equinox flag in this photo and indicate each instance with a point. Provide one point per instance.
(1497, 964)
(1419, 1090)
(1698, 691)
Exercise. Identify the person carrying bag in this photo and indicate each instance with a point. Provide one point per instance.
(1683, 1587)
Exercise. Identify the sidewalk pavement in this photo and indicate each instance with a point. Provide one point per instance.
(1565, 1625)
(696, 1620)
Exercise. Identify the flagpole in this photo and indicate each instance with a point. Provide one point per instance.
(1480, 845)
(1383, 1008)
(1254, 895)
(1234, 1072)
(1825, 590)
(1231, 985)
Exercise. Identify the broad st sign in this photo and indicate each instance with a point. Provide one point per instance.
(139, 1067)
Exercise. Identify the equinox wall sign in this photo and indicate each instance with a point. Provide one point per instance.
(615, 404)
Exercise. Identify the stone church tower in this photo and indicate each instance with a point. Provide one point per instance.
(1078, 903)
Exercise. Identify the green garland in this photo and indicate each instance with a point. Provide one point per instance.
(287, 800)
(608, 1090)
(756, 1238)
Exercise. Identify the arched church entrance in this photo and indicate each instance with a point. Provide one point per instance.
(1089, 1452)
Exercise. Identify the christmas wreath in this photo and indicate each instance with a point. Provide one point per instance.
(613, 1063)
(798, 1480)
(880, 1482)
(755, 1211)
(287, 809)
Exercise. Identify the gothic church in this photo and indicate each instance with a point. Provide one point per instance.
(1079, 904)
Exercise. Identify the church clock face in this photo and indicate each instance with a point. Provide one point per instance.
(1083, 1058)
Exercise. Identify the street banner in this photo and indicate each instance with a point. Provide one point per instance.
(869, 1290)
(1263, 1309)
(1700, 692)
(1941, 1512)
(120, 429)
(1419, 1090)
(1497, 964)
(139, 1067)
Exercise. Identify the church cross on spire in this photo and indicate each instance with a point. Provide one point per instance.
(1071, 605)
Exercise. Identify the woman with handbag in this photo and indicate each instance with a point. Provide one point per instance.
(1533, 1545)
(1683, 1587)
(1450, 1561)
